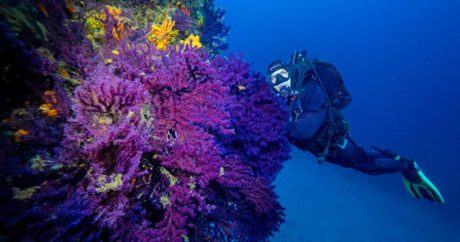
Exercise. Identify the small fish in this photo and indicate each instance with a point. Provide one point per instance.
(18, 135)
(184, 9)
(42, 8)
(70, 8)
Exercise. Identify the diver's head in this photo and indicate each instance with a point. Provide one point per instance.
(279, 77)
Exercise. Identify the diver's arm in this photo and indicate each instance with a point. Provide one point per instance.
(341, 101)
(333, 83)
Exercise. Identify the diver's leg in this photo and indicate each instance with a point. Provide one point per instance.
(377, 161)
(348, 154)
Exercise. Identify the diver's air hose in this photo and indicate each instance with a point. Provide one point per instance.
(331, 123)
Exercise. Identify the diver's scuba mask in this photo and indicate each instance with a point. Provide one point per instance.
(281, 82)
(279, 76)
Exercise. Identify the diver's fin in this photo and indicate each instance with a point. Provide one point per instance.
(419, 186)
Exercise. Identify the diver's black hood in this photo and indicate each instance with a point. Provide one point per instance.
(274, 66)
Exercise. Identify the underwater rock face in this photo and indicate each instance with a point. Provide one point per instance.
(138, 135)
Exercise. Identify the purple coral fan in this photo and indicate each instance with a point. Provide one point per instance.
(144, 149)
(260, 138)
(158, 146)
(182, 20)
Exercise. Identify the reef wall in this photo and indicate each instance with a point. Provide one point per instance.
(124, 120)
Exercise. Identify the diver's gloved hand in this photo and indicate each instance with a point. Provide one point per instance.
(418, 185)
(415, 181)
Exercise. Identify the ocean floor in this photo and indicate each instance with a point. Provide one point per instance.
(330, 203)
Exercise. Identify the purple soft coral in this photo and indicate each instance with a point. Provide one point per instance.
(162, 145)
(182, 20)
(260, 118)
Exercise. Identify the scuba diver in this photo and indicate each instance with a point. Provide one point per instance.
(315, 93)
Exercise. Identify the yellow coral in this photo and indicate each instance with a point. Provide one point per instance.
(46, 54)
(115, 182)
(130, 114)
(97, 28)
(146, 115)
(23, 194)
(113, 10)
(192, 185)
(19, 134)
(164, 199)
(192, 41)
(185, 238)
(162, 35)
(200, 20)
(172, 179)
(51, 95)
(48, 110)
(37, 163)
(118, 31)
(107, 61)
(63, 73)
(104, 120)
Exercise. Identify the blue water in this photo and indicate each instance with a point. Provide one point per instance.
(401, 62)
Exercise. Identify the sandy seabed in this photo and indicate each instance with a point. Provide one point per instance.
(329, 203)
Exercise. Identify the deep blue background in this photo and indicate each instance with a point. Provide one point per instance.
(400, 60)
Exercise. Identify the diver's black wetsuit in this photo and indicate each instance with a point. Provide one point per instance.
(309, 128)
